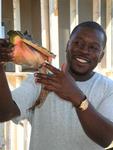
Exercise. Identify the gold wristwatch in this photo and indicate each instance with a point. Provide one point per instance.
(84, 105)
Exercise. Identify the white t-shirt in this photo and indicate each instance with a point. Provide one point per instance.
(55, 126)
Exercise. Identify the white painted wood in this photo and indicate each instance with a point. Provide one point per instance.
(108, 32)
(0, 12)
(45, 23)
(73, 14)
(54, 32)
(2, 29)
(2, 139)
(17, 25)
(2, 142)
(97, 18)
(97, 11)
(16, 8)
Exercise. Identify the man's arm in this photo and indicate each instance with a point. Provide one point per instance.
(98, 128)
(8, 108)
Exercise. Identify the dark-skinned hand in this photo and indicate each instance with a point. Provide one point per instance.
(5, 51)
(62, 83)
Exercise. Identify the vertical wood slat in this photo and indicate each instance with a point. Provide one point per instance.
(0, 13)
(2, 29)
(97, 11)
(97, 17)
(7, 128)
(54, 31)
(16, 13)
(108, 32)
(45, 23)
(27, 132)
(13, 136)
(17, 24)
(73, 14)
(1, 124)
(2, 139)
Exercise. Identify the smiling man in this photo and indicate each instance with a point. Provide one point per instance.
(85, 49)
(78, 111)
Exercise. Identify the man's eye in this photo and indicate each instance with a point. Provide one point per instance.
(78, 43)
(74, 44)
(94, 48)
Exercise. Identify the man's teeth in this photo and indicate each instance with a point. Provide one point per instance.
(81, 60)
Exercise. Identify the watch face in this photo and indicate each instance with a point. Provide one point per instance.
(84, 105)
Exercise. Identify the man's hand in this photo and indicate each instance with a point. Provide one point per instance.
(61, 83)
(5, 51)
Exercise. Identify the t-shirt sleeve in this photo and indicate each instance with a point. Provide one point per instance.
(106, 105)
(25, 96)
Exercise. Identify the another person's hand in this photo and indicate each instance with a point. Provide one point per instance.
(61, 83)
(5, 51)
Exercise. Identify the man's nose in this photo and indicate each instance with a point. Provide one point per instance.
(84, 48)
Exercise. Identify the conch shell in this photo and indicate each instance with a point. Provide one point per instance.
(26, 52)
(30, 54)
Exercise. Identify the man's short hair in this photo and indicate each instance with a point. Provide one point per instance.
(92, 25)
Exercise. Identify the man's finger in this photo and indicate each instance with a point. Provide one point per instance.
(51, 68)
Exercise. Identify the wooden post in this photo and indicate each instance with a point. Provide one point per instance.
(97, 18)
(0, 12)
(97, 11)
(17, 25)
(54, 32)
(108, 32)
(45, 23)
(7, 130)
(2, 35)
(2, 30)
(73, 14)
(2, 139)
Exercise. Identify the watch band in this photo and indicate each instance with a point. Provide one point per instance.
(84, 105)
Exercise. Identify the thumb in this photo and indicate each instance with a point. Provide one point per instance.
(64, 68)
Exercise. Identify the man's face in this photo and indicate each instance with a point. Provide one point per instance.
(85, 50)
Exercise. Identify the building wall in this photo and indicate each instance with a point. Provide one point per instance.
(30, 17)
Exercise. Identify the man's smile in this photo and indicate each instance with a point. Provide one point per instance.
(82, 60)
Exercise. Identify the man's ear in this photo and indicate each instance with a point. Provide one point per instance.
(101, 56)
